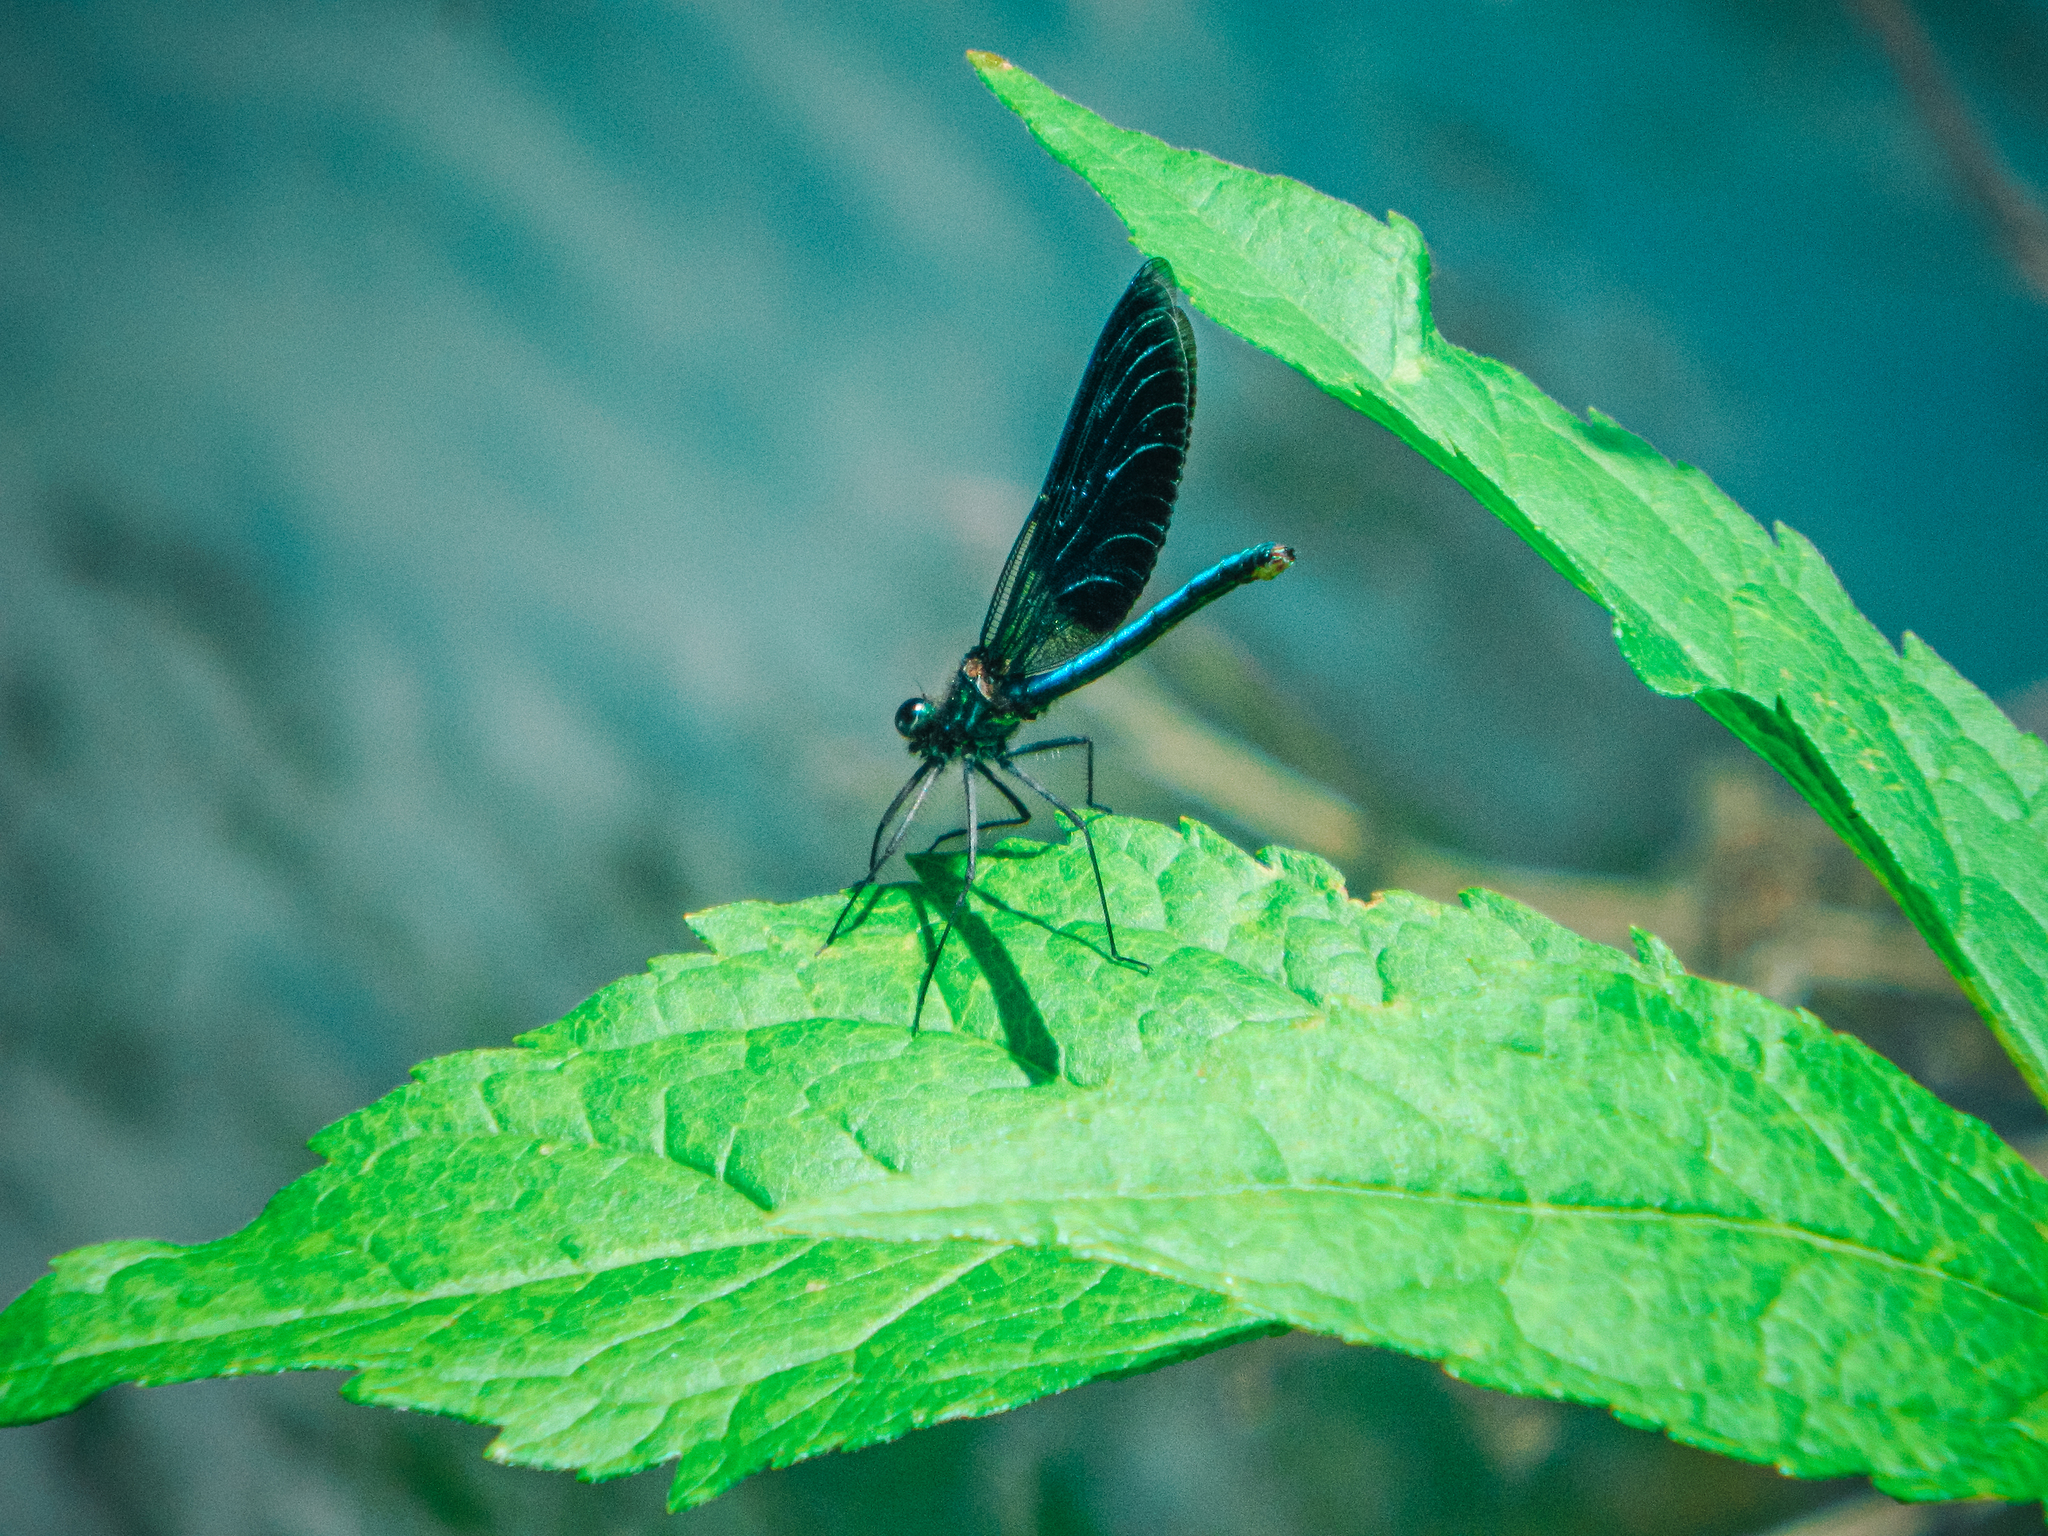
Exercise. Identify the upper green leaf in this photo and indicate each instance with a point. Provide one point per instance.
(733, 1212)
(1912, 765)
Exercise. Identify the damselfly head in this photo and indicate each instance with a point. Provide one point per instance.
(912, 716)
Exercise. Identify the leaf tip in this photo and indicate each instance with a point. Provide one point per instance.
(987, 63)
(1653, 952)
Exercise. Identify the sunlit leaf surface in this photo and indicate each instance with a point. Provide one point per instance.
(732, 1212)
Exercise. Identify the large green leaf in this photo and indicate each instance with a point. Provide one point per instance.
(733, 1211)
(1924, 777)
(568, 1240)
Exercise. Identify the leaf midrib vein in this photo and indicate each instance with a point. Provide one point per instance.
(1543, 1209)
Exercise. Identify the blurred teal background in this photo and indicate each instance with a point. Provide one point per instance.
(475, 481)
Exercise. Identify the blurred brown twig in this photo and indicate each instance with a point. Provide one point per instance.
(2015, 213)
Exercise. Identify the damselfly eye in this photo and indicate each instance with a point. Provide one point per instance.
(911, 716)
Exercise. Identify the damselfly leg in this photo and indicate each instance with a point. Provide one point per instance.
(914, 792)
(1022, 818)
(1009, 765)
(1057, 744)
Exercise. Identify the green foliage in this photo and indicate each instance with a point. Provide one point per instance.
(1912, 765)
(733, 1211)
(571, 1239)
(1561, 1173)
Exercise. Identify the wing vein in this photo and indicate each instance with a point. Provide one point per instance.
(1094, 534)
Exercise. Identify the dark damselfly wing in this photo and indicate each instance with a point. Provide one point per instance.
(1089, 546)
